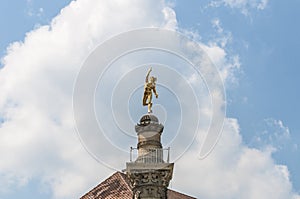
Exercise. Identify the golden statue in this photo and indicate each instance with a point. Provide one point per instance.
(148, 88)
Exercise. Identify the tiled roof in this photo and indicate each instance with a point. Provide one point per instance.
(117, 186)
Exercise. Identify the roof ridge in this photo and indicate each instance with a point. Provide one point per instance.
(124, 179)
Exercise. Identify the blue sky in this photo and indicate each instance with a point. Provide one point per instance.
(267, 44)
(24, 16)
(264, 93)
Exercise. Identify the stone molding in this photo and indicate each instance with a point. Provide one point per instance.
(150, 183)
(150, 127)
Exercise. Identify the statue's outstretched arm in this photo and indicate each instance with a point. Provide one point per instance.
(147, 76)
(156, 94)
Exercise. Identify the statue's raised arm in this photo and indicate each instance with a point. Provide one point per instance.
(149, 87)
(148, 73)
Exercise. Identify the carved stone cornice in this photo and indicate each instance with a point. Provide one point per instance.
(150, 180)
(150, 184)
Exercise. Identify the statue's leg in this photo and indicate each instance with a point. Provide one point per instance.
(150, 108)
(150, 103)
(145, 99)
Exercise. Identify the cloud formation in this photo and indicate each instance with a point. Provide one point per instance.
(243, 5)
(273, 133)
(38, 138)
(234, 170)
(37, 134)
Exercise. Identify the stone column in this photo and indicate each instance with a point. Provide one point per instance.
(149, 174)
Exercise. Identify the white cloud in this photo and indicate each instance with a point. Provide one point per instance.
(223, 38)
(262, 4)
(228, 65)
(170, 17)
(233, 170)
(31, 11)
(38, 140)
(217, 24)
(272, 132)
(243, 5)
